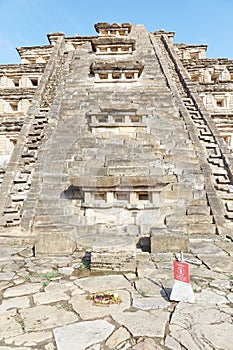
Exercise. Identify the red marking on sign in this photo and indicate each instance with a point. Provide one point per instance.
(181, 271)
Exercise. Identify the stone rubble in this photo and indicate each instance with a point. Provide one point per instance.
(44, 305)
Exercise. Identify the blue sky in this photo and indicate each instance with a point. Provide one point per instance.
(26, 22)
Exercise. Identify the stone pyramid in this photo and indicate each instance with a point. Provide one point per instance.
(115, 142)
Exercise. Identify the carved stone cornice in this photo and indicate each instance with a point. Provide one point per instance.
(98, 66)
(104, 28)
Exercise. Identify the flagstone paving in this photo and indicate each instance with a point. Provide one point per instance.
(44, 304)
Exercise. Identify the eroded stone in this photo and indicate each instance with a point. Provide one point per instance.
(103, 283)
(117, 338)
(147, 303)
(142, 323)
(49, 297)
(9, 326)
(22, 289)
(15, 303)
(29, 339)
(46, 317)
(192, 325)
(79, 336)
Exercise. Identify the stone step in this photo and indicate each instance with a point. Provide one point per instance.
(201, 229)
(175, 220)
(59, 219)
(198, 210)
(229, 215)
(196, 219)
(229, 206)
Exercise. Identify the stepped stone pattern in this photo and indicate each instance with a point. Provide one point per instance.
(114, 143)
(115, 158)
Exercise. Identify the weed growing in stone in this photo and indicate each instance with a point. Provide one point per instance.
(45, 277)
(142, 292)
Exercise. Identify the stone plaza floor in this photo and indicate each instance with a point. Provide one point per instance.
(44, 304)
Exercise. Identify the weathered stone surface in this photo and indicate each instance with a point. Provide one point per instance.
(49, 297)
(190, 323)
(22, 289)
(147, 344)
(202, 272)
(6, 251)
(9, 326)
(186, 329)
(149, 288)
(6, 276)
(226, 245)
(10, 348)
(79, 336)
(206, 248)
(114, 253)
(5, 284)
(15, 303)
(165, 241)
(117, 338)
(218, 335)
(142, 323)
(66, 270)
(211, 297)
(45, 317)
(30, 339)
(230, 297)
(223, 265)
(63, 286)
(222, 285)
(145, 269)
(103, 283)
(49, 346)
(172, 343)
(146, 303)
(45, 244)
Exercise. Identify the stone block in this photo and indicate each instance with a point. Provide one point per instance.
(114, 253)
(198, 210)
(132, 230)
(148, 180)
(201, 229)
(95, 181)
(192, 219)
(168, 241)
(54, 243)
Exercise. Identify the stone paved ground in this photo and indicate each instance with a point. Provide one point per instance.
(43, 304)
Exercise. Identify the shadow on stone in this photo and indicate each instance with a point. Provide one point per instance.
(72, 192)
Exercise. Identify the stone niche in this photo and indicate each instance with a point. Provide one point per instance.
(191, 52)
(19, 81)
(115, 29)
(122, 199)
(121, 71)
(113, 45)
(117, 121)
(14, 105)
(217, 101)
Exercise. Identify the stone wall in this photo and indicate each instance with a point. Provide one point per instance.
(114, 139)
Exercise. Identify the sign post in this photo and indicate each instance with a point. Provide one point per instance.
(182, 289)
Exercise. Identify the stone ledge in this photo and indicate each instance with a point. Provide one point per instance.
(168, 241)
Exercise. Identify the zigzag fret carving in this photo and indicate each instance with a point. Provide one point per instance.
(28, 158)
(220, 175)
